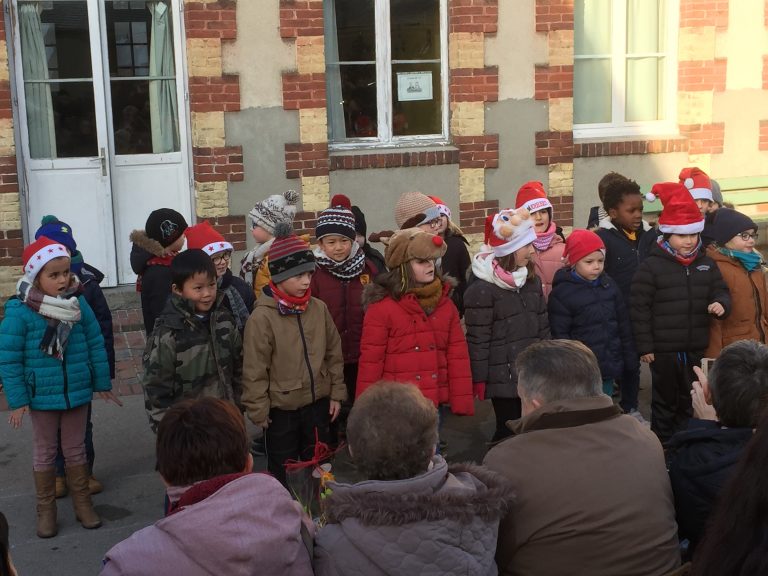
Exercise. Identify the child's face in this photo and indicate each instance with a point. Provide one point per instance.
(432, 226)
(296, 286)
(683, 243)
(523, 255)
(591, 266)
(423, 270)
(541, 220)
(337, 248)
(53, 279)
(629, 213)
(200, 289)
(704, 205)
(739, 244)
(443, 226)
(221, 260)
(260, 235)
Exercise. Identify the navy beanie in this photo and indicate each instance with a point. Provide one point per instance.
(58, 231)
(728, 223)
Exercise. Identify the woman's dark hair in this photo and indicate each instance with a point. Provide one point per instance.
(736, 539)
(201, 439)
(189, 263)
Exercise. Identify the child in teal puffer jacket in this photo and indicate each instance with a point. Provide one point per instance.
(52, 359)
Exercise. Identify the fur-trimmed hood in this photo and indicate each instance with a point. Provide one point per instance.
(144, 249)
(444, 521)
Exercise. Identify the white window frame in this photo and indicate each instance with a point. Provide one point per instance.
(384, 95)
(618, 126)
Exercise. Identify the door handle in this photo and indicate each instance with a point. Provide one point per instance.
(103, 160)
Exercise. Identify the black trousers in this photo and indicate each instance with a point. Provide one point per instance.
(671, 408)
(505, 409)
(291, 435)
(339, 426)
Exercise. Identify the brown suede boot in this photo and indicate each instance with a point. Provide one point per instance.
(77, 480)
(61, 487)
(45, 485)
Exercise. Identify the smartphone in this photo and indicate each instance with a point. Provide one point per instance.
(706, 363)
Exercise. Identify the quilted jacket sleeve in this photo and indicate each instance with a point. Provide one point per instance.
(459, 372)
(97, 354)
(544, 330)
(98, 303)
(560, 317)
(373, 347)
(334, 358)
(478, 319)
(258, 345)
(13, 337)
(641, 308)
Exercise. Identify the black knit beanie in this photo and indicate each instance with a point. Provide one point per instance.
(727, 223)
(360, 226)
(165, 225)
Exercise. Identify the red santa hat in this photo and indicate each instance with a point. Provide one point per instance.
(509, 230)
(442, 206)
(680, 214)
(533, 197)
(581, 243)
(697, 182)
(204, 237)
(39, 253)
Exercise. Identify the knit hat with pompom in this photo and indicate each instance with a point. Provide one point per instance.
(338, 219)
(268, 213)
(289, 255)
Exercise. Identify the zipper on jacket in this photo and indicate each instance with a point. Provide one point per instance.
(66, 383)
(306, 357)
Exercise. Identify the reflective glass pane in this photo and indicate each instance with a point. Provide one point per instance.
(592, 27)
(644, 26)
(55, 44)
(645, 89)
(355, 113)
(145, 113)
(416, 99)
(592, 91)
(415, 29)
(355, 27)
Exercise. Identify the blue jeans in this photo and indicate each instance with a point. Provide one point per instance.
(89, 453)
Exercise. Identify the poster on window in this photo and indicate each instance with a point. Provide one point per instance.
(414, 86)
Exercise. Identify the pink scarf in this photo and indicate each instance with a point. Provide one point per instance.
(544, 239)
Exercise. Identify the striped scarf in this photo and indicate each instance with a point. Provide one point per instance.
(544, 239)
(60, 312)
(684, 259)
(347, 269)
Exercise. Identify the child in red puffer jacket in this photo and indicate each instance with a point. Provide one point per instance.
(411, 330)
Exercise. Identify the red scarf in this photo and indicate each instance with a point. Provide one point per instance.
(200, 491)
(289, 304)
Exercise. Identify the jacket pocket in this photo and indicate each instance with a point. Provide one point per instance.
(286, 385)
(31, 384)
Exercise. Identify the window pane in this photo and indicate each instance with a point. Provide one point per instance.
(644, 26)
(64, 28)
(355, 115)
(74, 119)
(592, 27)
(131, 117)
(416, 99)
(592, 91)
(355, 31)
(644, 89)
(415, 29)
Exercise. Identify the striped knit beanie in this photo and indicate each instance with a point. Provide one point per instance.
(274, 209)
(338, 219)
(289, 255)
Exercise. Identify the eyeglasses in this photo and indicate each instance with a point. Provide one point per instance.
(435, 223)
(746, 236)
(219, 258)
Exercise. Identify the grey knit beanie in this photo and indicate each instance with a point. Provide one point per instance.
(274, 209)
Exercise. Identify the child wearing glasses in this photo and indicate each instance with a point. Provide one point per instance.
(741, 265)
(237, 295)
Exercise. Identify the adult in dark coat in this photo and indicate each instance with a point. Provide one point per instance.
(702, 458)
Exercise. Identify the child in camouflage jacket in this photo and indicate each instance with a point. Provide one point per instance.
(196, 349)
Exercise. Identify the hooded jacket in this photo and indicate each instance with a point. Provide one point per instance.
(344, 299)
(444, 521)
(548, 262)
(592, 494)
(152, 263)
(622, 256)
(748, 319)
(593, 313)
(669, 302)
(290, 361)
(249, 527)
(701, 460)
(188, 357)
(401, 343)
(33, 378)
(501, 323)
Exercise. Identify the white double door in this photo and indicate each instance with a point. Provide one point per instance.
(102, 119)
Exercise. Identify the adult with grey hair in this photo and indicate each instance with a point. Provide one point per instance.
(702, 458)
(413, 514)
(592, 493)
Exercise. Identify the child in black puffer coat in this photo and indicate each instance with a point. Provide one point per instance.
(586, 305)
